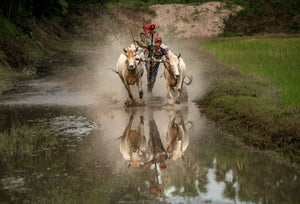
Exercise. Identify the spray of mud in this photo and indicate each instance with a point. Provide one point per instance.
(110, 89)
(85, 77)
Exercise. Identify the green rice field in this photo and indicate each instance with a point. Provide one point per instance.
(276, 60)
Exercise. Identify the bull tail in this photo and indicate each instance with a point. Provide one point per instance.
(191, 124)
(119, 138)
(190, 77)
(115, 71)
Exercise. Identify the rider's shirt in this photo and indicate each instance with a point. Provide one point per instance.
(146, 41)
(156, 54)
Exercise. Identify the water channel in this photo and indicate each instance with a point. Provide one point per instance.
(83, 130)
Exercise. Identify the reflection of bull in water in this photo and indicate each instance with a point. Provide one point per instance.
(177, 136)
(133, 143)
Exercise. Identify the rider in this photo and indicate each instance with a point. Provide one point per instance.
(157, 52)
(144, 39)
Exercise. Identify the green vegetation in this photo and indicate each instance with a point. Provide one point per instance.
(274, 60)
(263, 16)
(152, 2)
(29, 29)
(25, 141)
(250, 106)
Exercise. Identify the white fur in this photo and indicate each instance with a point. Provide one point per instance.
(123, 72)
(179, 70)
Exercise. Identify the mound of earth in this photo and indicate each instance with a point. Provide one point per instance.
(180, 20)
(186, 21)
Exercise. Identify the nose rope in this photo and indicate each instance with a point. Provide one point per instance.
(169, 70)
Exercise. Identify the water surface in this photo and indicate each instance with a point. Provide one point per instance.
(88, 148)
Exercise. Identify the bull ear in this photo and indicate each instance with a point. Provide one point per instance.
(124, 50)
(179, 55)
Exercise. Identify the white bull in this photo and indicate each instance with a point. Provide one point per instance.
(130, 71)
(175, 74)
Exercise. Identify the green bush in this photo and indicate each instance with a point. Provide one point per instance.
(260, 16)
(8, 29)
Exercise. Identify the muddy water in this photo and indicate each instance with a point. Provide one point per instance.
(82, 154)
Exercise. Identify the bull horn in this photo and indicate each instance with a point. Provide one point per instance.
(179, 55)
(190, 77)
(136, 49)
(124, 50)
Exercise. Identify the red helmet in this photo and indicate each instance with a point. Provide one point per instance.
(158, 39)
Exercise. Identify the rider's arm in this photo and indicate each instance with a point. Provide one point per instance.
(140, 44)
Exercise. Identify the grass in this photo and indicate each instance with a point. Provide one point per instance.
(254, 96)
(24, 141)
(274, 60)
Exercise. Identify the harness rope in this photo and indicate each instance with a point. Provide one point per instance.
(169, 70)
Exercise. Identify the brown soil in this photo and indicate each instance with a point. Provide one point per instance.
(179, 20)
(184, 21)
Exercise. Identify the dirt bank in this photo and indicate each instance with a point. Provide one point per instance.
(185, 21)
(179, 20)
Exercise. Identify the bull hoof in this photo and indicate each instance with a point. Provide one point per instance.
(141, 95)
(177, 102)
(128, 102)
(170, 102)
(131, 96)
(140, 103)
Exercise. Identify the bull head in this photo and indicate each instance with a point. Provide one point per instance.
(174, 63)
(131, 61)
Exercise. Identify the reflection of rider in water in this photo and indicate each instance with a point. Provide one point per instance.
(156, 146)
(156, 52)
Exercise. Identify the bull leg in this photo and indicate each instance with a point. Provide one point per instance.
(141, 126)
(170, 98)
(127, 88)
(128, 128)
(178, 91)
(169, 94)
(139, 83)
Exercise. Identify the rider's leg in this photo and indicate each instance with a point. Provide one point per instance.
(152, 76)
(149, 77)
